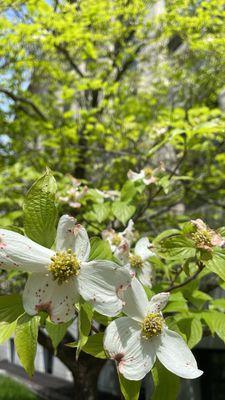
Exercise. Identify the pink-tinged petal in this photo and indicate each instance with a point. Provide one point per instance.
(124, 343)
(175, 355)
(145, 274)
(135, 301)
(158, 302)
(42, 293)
(72, 236)
(18, 251)
(101, 283)
(142, 248)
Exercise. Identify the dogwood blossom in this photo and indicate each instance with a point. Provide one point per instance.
(59, 277)
(147, 175)
(136, 340)
(139, 264)
(74, 194)
(120, 241)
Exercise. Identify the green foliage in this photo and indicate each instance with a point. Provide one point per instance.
(123, 211)
(166, 384)
(84, 324)
(11, 307)
(93, 346)
(11, 390)
(26, 334)
(130, 389)
(56, 332)
(100, 250)
(40, 210)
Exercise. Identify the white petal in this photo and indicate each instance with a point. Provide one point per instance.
(142, 248)
(41, 293)
(128, 232)
(72, 236)
(158, 302)
(100, 283)
(135, 301)
(175, 355)
(18, 251)
(134, 176)
(124, 344)
(145, 274)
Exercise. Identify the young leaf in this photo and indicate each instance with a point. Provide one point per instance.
(26, 334)
(6, 330)
(129, 389)
(40, 210)
(11, 307)
(84, 324)
(100, 250)
(102, 211)
(166, 384)
(179, 246)
(217, 262)
(128, 191)
(56, 331)
(94, 345)
(122, 211)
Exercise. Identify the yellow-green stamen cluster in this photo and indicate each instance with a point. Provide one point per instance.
(202, 238)
(148, 172)
(116, 240)
(64, 265)
(135, 261)
(152, 325)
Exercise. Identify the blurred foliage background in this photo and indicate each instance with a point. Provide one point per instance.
(93, 89)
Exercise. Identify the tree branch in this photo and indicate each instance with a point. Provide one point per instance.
(21, 99)
(190, 279)
(67, 55)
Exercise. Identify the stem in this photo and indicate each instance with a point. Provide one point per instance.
(190, 279)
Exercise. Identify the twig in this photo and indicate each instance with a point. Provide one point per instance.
(190, 279)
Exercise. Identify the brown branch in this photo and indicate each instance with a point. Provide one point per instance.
(21, 99)
(190, 279)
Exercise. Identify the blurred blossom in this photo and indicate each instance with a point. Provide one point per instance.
(147, 175)
(74, 194)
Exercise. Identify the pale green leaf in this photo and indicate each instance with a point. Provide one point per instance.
(129, 389)
(122, 211)
(26, 335)
(40, 211)
(11, 307)
(56, 331)
(84, 324)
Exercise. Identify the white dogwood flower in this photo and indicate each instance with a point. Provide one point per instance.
(59, 277)
(120, 241)
(139, 264)
(147, 175)
(135, 341)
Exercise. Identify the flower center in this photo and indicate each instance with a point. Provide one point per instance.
(116, 240)
(152, 325)
(202, 238)
(148, 172)
(135, 261)
(64, 265)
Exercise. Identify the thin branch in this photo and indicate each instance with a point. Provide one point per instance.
(21, 99)
(67, 55)
(190, 279)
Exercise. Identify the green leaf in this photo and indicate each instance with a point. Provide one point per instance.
(11, 307)
(102, 319)
(192, 328)
(129, 389)
(122, 211)
(100, 250)
(128, 191)
(217, 263)
(165, 234)
(199, 298)
(216, 323)
(179, 246)
(94, 345)
(84, 324)
(102, 211)
(26, 335)
(166, 384)
(56, 331)
(6, 330)
(40, 211)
